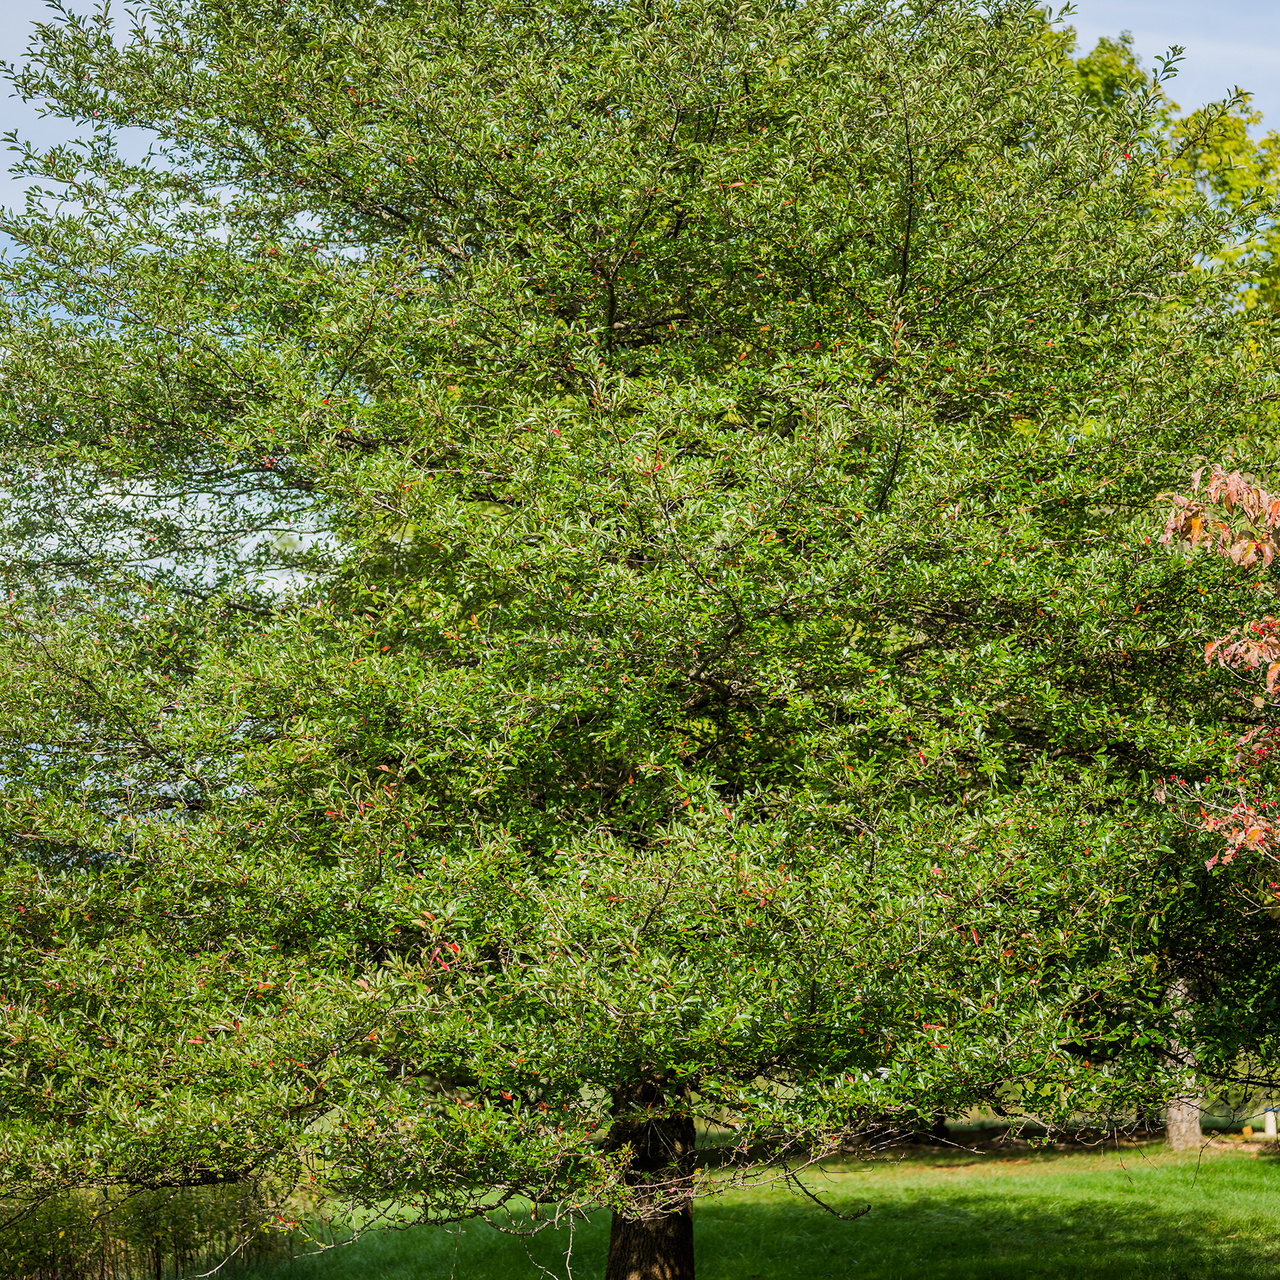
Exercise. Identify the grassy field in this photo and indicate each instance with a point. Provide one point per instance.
(1019, 1215)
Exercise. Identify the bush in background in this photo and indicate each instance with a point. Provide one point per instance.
(123, 1235)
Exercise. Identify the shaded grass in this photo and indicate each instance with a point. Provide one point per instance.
(1010, 1216)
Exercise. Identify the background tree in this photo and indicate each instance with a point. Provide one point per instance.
(1238, 520)
(1214, 147)
(682, 672)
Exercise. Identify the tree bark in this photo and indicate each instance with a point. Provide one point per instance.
(652, 1249)
(655, 1242)
(1182, 1124)
(1182, 1121)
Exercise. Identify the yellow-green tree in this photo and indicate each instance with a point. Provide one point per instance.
(1215, 148)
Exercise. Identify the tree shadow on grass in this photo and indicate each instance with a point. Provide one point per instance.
(1175, 1222)
(967, 1237)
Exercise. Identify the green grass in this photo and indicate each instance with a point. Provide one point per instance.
(1010, 1216)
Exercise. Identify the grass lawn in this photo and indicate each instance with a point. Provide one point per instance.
(957, 1216)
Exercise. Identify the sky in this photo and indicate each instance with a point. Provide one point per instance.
(1227, 42)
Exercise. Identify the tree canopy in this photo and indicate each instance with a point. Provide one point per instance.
(580, 571)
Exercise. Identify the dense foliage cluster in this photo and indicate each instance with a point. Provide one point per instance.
(583, 568)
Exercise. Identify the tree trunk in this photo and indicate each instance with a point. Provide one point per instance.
(1182, 1125)
(652, 1249)
(656, 1241)
(1182, 1122)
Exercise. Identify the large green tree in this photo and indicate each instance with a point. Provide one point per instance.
(565, 589)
